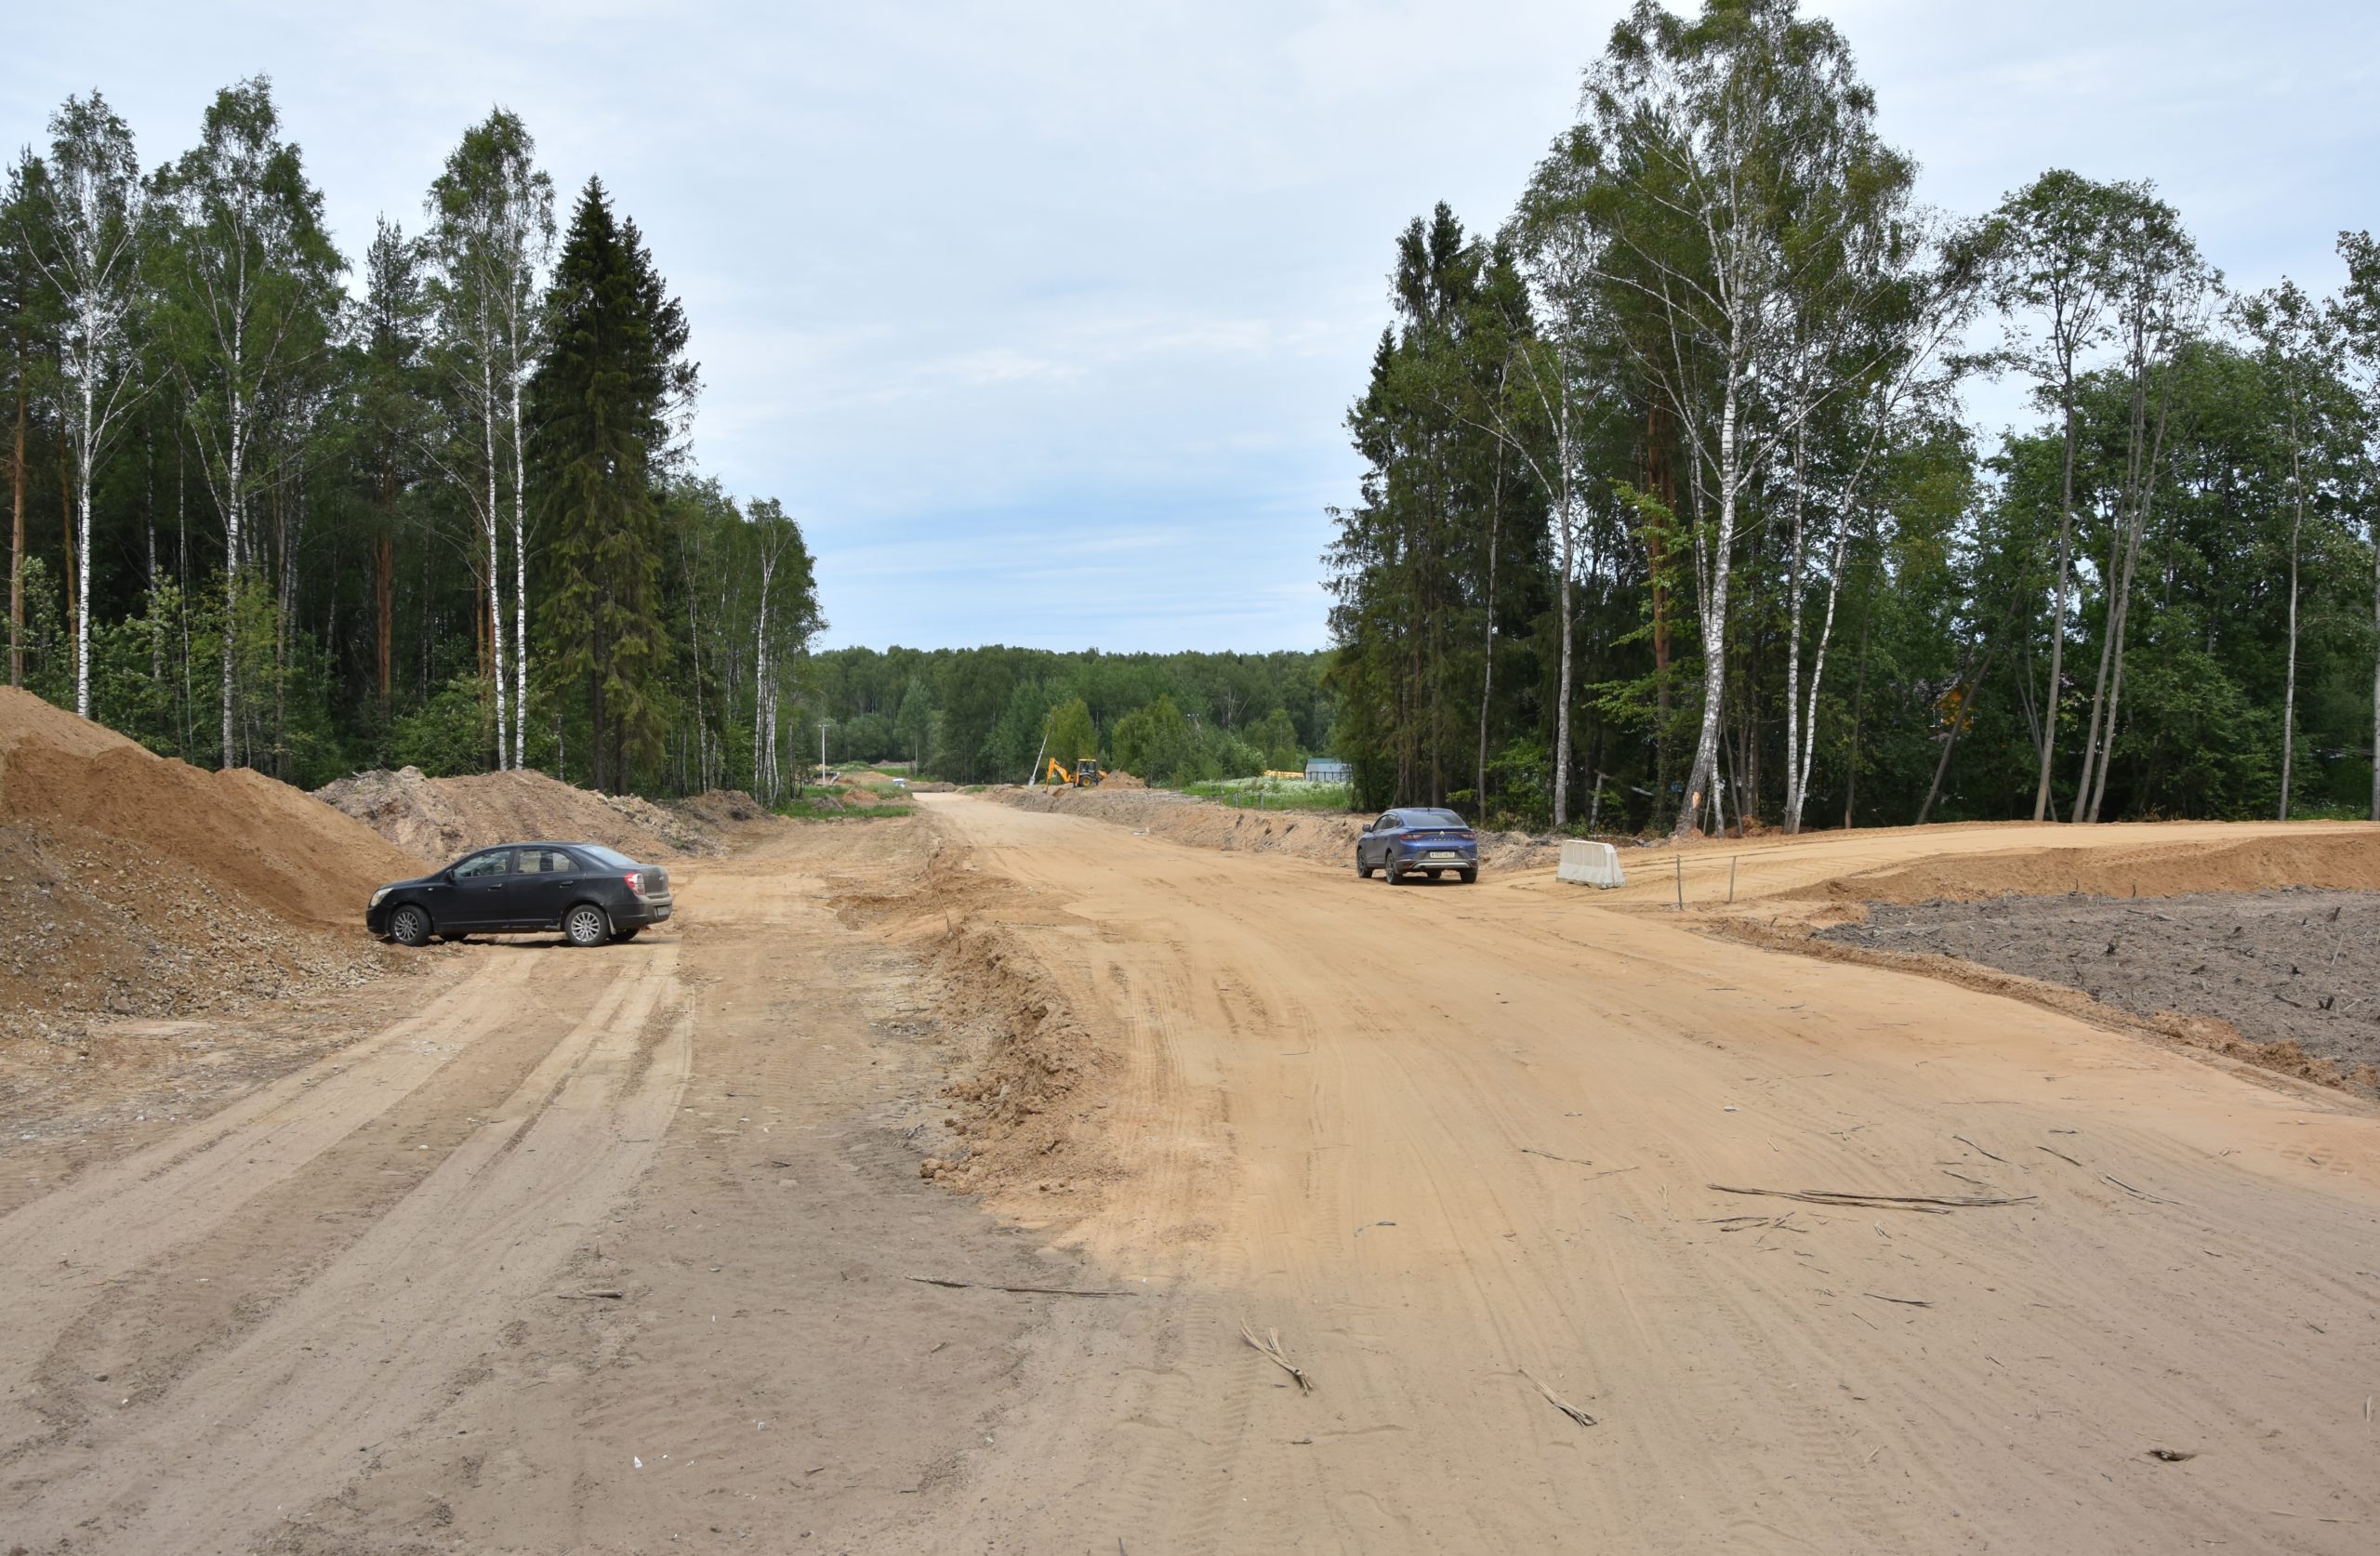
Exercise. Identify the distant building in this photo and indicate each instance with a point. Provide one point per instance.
(1327, 769)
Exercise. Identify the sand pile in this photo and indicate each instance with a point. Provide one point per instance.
(442, 818)
(2337, 860)
(721, 809)
(1328, 837)
(138, 885)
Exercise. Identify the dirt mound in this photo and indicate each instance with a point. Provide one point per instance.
(1328, 837)
(440, 818)
(142, 886)
(1121, 780)
(2346, 860)
(721, 809)
(1029, 1074)
(238, 829)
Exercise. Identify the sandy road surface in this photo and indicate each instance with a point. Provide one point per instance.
(1446, 1140)
(356, 1310)
(610, 1251)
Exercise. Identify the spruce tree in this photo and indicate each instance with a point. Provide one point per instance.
(603, 403)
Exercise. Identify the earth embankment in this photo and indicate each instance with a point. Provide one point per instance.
(141, 886)
(440, 818)
(2293, 972)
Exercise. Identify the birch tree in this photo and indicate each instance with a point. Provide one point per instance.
(1866, 344)
(2054, 272)
(248, 293)
(92, 216)
(2158, 286)
(784, 619)
(492, 233)
(2291, 332)
(1735, 154)
(1556, 389)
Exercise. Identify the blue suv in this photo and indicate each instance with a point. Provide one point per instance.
(1405, 843)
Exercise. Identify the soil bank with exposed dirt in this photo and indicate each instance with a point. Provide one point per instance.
(443, 818)
(2299, 967)
(139, 886)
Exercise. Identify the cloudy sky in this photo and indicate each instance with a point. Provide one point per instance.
(1043, 317)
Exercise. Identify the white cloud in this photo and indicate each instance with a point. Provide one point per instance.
(1045, 319)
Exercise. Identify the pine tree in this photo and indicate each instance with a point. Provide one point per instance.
(604, 405)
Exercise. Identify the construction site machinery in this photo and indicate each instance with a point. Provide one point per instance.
(1086, 774)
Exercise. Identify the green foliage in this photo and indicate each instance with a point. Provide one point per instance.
(449, 734)
(602, 398)
(1277, 741)
(1273, 794)
(1155, 743)
(1732, 368)
(1071, 734)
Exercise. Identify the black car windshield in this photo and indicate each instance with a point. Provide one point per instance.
(603, 855)
(1433, 818)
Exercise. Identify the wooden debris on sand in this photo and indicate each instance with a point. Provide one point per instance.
(1020, 1290)
(1932, 1204)
(1559, 1403)
(1271, 1346)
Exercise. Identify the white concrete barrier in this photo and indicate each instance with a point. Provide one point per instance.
(1590, 864)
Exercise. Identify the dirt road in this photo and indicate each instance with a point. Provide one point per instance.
(579, 1252)
(1450, 1141)
(612, 1252)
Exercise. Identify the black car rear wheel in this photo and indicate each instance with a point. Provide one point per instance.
(409, 926)
(586, 925)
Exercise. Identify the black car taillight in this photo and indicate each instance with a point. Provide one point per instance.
(636, 881)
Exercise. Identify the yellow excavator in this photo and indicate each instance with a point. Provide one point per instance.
(1086, 775)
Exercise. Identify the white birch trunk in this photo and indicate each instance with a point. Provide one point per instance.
(1562, 711)
(234, 510)
(1808, 757)
(519, 572)
(2289, 693)
(2057, 622)
(762, 711)
(494, 563)
(1794, 771)
(85, 453)
(1702, 776)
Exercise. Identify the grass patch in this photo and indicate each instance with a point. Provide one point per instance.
(1274, 794)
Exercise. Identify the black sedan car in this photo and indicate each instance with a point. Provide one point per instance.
(1417, 842)
(590, 893)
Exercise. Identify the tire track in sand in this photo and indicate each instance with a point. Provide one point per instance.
(364, 1354)
(114, 1219)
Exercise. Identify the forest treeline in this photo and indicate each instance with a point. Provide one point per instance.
(984, 715)
(1672, 516)
(277, 505)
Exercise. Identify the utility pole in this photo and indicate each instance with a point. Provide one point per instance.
(821, 749)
